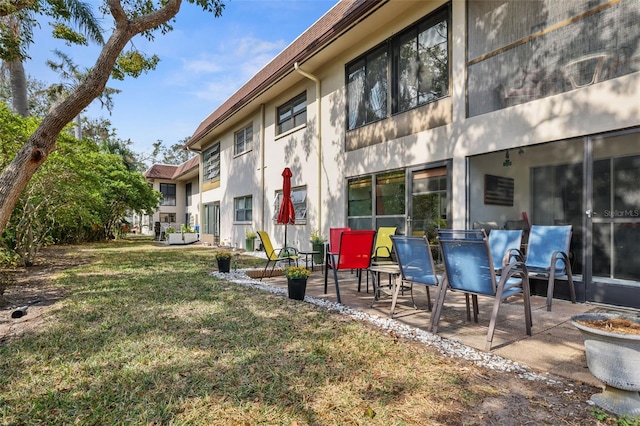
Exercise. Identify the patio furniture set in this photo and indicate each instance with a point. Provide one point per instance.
(474, 263)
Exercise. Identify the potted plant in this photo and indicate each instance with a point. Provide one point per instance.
(612, 347)
(297, 281)
(224, 260)
(317, 244)
(249, 242)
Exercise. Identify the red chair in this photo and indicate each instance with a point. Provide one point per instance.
(332, 247)
(354, 253)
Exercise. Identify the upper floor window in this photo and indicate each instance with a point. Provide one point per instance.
(211, 162)
(367, 88)
(188, 193)
(419, 62)
(544, 48)
(243, 207)
(168, 191)
(293, 113)
(243, 140)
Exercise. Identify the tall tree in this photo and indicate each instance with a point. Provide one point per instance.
(130, 17)
(16, 31)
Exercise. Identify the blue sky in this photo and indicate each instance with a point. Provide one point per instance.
(202, 62)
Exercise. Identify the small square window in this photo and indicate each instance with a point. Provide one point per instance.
(293, 113)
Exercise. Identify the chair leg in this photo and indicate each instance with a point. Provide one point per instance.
(435, 315)
(326, 272)
(376, 290)
(396, 289)
(492, 323)
(264, 272)
(335, 277)
(550, 285)
(572, 289)
(466, 300)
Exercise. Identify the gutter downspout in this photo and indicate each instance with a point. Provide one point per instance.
(262, 194)
(319, 135)
(200, 171)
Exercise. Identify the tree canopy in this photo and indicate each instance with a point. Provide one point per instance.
(130, 18)
(82, 192)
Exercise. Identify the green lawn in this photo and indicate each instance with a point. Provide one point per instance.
(147, 336)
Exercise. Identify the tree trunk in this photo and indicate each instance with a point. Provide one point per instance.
(18, 173)
(18, 80)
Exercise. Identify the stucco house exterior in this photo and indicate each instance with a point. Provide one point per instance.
(180, 186)
(427, 114)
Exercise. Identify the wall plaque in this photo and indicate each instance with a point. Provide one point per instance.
(498, 190)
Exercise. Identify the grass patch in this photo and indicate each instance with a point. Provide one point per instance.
(148, 336)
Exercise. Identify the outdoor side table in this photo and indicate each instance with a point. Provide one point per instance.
(394, 271)
(308, 255)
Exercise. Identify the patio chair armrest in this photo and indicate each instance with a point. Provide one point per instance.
(515, 254)
(559, 255)
(515, 269)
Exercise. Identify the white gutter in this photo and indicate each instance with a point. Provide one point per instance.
(261, 135)
(319, 127)
(200, 173)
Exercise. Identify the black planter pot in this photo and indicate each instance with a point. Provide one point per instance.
(224, 265)
(297, 287)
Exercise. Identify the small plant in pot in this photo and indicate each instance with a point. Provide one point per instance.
(249, 241)
(224, 260)
(297, 281)
(612, 347)
(317, 244)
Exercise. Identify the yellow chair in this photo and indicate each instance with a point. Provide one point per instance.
(274, 255)
(382, 249)
(383, 246)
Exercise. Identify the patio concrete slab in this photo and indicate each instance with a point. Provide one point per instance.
(555, 347)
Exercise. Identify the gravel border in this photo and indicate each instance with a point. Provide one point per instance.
(446, 347)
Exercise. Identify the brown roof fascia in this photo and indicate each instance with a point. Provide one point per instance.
(160, 171)
(339, 18)
(186, 167)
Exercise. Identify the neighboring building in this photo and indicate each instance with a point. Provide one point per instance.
(180, 189)
(427, 114)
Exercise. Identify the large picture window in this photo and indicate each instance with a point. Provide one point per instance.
(520, 51)
(367, 88)
(211, 162)
(243, 140)
(419, 62)
(378, 200)
(168, 191)
(243, 207)
(293, 113)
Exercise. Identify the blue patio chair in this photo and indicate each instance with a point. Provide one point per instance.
(548, 256)
(470, 268)
(416, 265)
(503, 243)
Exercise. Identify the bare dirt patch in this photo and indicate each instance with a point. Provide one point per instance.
(613, 325)
(33, 287)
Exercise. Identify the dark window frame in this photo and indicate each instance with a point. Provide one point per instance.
(211, 163)
(390, 49)
(243, 213)
(168, 191)
(243, 140)
(292, 113)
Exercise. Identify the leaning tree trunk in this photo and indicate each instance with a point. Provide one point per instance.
(18, 173)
